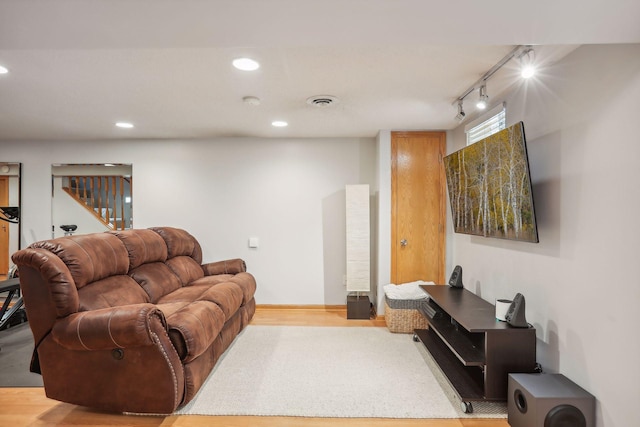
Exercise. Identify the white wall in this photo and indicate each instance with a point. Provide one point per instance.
(287, 192)
(580, 284)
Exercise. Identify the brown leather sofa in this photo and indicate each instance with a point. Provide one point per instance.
(130, 321)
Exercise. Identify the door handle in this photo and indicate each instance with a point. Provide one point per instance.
(403, 242)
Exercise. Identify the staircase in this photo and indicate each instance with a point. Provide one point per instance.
(107, 197)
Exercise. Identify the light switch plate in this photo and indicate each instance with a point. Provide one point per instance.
(253, 242)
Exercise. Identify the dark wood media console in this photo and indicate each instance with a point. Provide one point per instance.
(474, 350)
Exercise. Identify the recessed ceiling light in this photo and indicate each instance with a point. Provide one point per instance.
(246, 64)
(124, 125)
(279, 123)
(3, 70)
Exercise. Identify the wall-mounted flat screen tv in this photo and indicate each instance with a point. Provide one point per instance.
(489, 187)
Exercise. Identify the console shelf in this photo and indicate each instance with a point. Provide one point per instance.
(475, 351)
(460, 343)
(467, 386)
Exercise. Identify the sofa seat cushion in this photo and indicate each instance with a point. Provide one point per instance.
(227, 296)
(113, 291)
(245, 282)
(193, 326)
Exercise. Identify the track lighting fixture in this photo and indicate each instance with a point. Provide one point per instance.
(527, 63)
(483, 98)
(526, 55)
(461, 114)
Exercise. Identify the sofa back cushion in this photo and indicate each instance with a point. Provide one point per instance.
(90, 272)
(186, 269)
(143, 246)
(89, 257)
(157, 280)
(184, 254)
(162, 259)
(179, 242)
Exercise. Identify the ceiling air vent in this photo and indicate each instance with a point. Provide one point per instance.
(322, 101)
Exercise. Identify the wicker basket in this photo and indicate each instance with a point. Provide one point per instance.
(402, 316)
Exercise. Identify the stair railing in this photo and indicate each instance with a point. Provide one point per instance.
(107, 197)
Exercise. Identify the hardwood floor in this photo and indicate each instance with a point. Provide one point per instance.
(30, 407)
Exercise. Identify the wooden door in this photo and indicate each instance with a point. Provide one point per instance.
(4, 227)
(417, 207)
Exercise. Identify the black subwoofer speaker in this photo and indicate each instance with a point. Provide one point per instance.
(548, 400)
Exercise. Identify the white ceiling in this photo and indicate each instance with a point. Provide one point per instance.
(78, 66)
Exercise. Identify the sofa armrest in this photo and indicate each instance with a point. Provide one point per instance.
(115, 327)
(230, 266)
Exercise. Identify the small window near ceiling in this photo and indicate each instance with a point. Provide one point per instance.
(493, 122)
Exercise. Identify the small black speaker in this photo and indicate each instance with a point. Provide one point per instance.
(455, 281)
(515, 315)
(548, 400)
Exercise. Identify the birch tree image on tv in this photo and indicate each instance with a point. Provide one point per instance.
(489, 187)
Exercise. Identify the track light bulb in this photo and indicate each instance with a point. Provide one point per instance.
(528, 71)
(461, 115)
(483, 99)
(527, 63)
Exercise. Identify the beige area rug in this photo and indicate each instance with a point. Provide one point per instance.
(343, 372)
